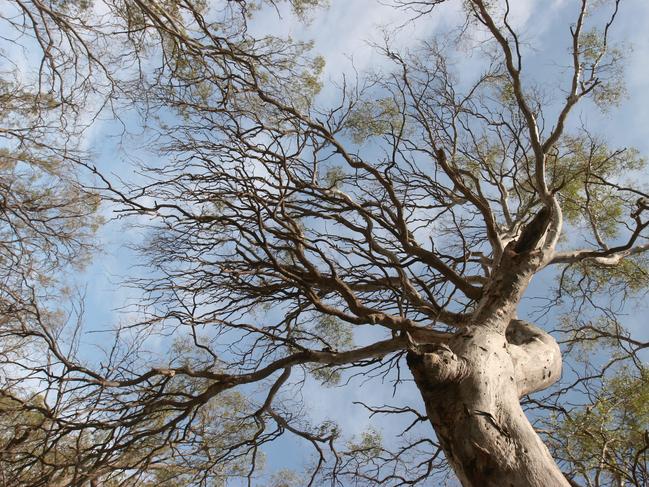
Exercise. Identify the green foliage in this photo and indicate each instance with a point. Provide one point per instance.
(604, 63)
(337, 333)
(303, 8)
(306, 84)
(608, 437)
(368, 446)
(47, 219)
(51, 216)
(334, 177)
(189, 460)
(579, 168)
(72, 7)
(628, 277)
(26, 457)
(327, 376)
(374, 118)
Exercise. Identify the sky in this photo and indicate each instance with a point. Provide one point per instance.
(343, 34)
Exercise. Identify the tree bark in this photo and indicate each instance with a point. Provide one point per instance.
(472, 389)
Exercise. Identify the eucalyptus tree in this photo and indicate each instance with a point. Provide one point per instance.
(414, 204)
(47, 218)
(398, 226)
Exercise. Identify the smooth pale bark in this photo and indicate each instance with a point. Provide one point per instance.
(472, 385)
(472, 401)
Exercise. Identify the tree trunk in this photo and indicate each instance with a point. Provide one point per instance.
(471, 390)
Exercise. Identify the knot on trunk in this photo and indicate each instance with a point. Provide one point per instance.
(433, 365)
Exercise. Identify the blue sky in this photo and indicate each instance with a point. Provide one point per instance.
(342, 34)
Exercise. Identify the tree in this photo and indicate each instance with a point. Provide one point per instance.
(47, 222)
(607, 441)
(399, 226)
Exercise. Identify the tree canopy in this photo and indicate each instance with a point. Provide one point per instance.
(380, 228)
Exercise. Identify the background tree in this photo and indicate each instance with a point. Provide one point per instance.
(47, 222)
(398, 227)
(607, 440)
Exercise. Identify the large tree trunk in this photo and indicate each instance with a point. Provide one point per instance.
(471, 390)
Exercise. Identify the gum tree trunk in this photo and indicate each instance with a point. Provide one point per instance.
(472, 389)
